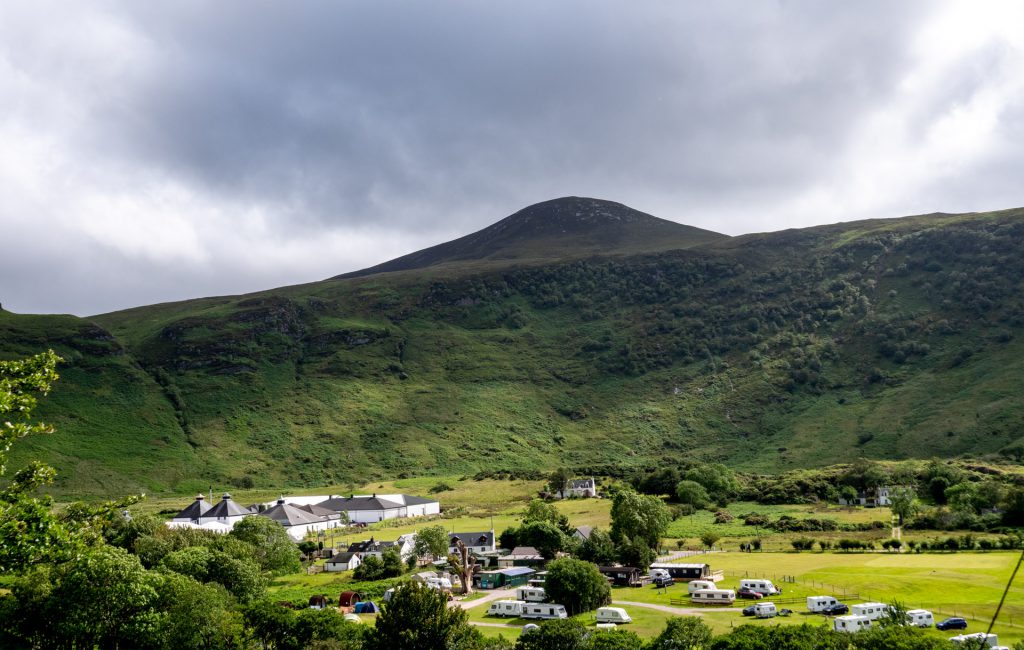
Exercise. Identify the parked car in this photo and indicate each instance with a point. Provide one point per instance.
(664, 581)
(954, 623)
(836, 610)
(749, 610)
(744, 592)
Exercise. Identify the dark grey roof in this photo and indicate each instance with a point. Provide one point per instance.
(524, 551)
(341, 558)
(194, 510)
(340, 504)
(585, 531)
(226, 508)
(288, 515)
(315, 509)
(415, 501)
(472, 539)
(581, 483)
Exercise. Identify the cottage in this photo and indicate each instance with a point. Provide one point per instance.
(343, 562)
(578, 487)
(478, 543)
(521, 556)
(871, 498)
(503, 578)
(622, 576)
(404, 545)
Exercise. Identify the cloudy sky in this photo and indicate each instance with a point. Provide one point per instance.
(154, 151)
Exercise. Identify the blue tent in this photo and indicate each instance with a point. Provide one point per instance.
(367, 607)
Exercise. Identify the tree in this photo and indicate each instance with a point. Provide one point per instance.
(371, 568)
(197, 615)
(464, 563)
(709, 539)
(848, 493)
(538, 511)
(432, 541)
(661, 482)
(903, 502)
(544, 536)
(418, 617)
(597, 548)
(682, 633)
(895, 615)
(612, 640)
(693, 494)
(274, 550)
(637, 516)
(563, 634)
(559, 479)
(392, 563)
(577, 585)
(961, 497)
(636, 553)
(716, 478)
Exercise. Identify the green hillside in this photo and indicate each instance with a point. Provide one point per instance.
(888, 339)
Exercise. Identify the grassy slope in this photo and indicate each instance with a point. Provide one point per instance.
(340, 382)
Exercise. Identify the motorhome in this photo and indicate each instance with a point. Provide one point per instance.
(851, 623)
(695, 585)
(765, 610)
(543, 610)
(714, 596)
(820, 603)
(659, 573)
(920, 618)
(613, 615)
(530, 594)
(760, 586)
(977, 639)
(871, 611)
(506, 608)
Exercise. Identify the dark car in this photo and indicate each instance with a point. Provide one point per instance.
(749, 610)
(749, 593)
(836, 610)
(785, 612)
(954, 623)
(664, 581)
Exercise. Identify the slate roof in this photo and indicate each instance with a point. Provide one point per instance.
(289, 515)
(315, 509)
(339, 504)
(524, 552)
(194, 510)
(415, 501)
(341, 558)
(472, 539)
(585, 531)
(226, 508)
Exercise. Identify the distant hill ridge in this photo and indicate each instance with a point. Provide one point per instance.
(559, 229)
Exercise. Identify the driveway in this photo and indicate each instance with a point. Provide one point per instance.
(497, 594)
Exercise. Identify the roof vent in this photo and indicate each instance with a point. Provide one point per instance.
(225, 496)
(200, 497)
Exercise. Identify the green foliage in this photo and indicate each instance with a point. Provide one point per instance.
(682, 633)
(636, 553)
(274, 549)
(417, 617)
(717, 479)
(563, 634)
(540, 511)
(389, 565)
(638, 517)
(598, 548)
(693, 494)
(577, 585)
(432, 541)
(709, 539)
(612, 640)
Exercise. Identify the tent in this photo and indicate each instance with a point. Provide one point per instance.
(367, 607)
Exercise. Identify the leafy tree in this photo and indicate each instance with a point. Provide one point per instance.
(848, 493)
(1013, 507)
(903, 502)
(562, 634)
(660, 482)
(539, 511)
(709, 539)
(275, 551)
(326, 628)
(432, 541)
(392, 563)
(597, 548)
(371, 568)
(895, 615)
(576, 584)
(716, 478)
(196, 615)
(693, 494)
(636, 553)
(417, 617)
(961, 497)
(612, 640)
(637, 516)
(240, 577)
(544, 536)
(682, 633)
(864, 474)
(559, 479)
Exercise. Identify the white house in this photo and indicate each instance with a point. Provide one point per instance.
(578, 487)
(225, 512)
(476, 542)
(520, 556)
(343, 562)
(872, 497)
(378, 507)
(404, 544)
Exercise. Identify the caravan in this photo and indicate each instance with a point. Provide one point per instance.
(765, 610)
(920, 618)
(870, 611)
(977, 640)
(695, 585)
(613, 615)
(715, 597)
(530, 594)
(543, 610)
(506, 608)
(764, 587)
(851, 623)
(818, 604)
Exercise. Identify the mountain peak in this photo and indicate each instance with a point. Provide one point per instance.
(565, 228)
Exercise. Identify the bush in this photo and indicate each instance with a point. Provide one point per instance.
(803, 544)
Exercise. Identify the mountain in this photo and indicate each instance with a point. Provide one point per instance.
(889, 338)
(556, 230)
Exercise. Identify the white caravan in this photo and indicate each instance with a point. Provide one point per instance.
(765, 610)
(530, 594)
(851, 623)
(613, 615)
(987, 640)
(543, 610)
(714, 596)
(820, 603)
(920, 618)
(506, 608)
(871, 611)
(695, 585)
(760, 586)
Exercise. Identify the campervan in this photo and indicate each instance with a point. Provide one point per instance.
(820, 603)
(659, 573)
(613, 615)
(920, 618)
(977, 639)
(760, 586)
(715, 596)
(851, 623)
(694, 585)
(871, 611)
(530, 594)
(506, 608)
(765, 610)
(543, 610)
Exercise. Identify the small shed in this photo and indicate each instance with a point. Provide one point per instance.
(319, 601)
(349, 598)
(685, 572)
(622, 576)
(504, 578)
